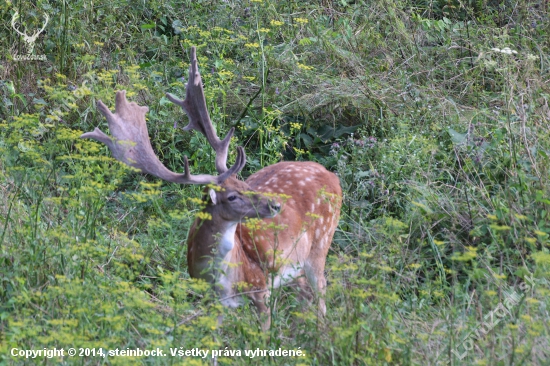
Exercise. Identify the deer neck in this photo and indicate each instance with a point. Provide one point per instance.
(226, 241)
(213, 247)
(213, 253)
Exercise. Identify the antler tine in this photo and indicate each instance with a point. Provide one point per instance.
(13, 21)
(194, 106)
(130, 144)
(240, 162)
(47, 18)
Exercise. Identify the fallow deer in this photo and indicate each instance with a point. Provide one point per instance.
(286, 241)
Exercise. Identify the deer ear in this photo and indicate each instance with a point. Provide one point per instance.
(212, 194)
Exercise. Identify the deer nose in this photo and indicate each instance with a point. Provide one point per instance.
(274, 206)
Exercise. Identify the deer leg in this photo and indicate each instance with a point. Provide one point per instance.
(316, 277)
(259, 299)
(304, 289)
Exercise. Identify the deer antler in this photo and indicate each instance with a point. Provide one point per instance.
(194, 106)
(132, 146)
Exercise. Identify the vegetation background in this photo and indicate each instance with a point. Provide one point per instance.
(433, 113)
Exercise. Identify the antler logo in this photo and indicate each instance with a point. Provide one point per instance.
(29, 40)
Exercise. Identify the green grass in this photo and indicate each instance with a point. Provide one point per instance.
(441, 142)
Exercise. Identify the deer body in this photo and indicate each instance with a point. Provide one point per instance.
(286, 247)
(292, 208)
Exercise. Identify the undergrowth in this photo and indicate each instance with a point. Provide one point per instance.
(433, 114)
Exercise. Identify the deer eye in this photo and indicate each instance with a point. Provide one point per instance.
(231, 198)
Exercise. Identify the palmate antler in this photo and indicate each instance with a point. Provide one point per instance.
(131, 145)
(199, 119)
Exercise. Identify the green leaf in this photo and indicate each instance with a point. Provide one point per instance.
(457, 137)
(177, 25)
(308, 141)
(148, 26)
(39, 101)
(164, 101)
(327, 132)
(145, 65)
(11, 88)
(363, 174)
